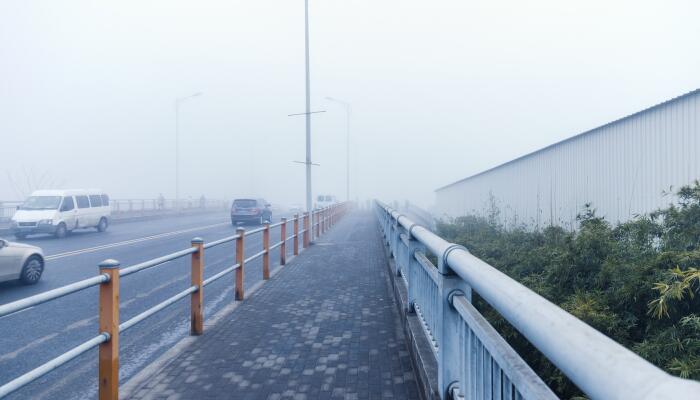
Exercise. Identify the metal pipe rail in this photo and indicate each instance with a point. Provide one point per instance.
(600, 367)
(109, 283)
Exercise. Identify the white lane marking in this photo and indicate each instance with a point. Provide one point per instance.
(128, 242)
(16, 312)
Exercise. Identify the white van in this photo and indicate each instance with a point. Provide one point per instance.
(58, 212)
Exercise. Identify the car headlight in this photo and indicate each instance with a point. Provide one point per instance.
(46, 222)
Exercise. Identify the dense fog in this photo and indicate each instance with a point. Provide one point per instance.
(439, 90)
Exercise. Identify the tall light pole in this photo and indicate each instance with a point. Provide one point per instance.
(179, 101)
(347, 143)
(308, 107)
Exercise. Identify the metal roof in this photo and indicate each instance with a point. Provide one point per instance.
(590, 131)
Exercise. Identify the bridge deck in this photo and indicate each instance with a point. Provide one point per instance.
(324, 327)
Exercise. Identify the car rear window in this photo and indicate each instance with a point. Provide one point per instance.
(82, 201)
(95, 200)
(245, 203)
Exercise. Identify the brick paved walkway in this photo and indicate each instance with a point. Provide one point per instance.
(325, 327)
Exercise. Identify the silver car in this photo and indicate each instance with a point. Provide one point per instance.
(20, 261)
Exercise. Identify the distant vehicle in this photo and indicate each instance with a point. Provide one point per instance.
(20, 261)
(250, 211)
(296, 208)
(323, 201)
(59, 212)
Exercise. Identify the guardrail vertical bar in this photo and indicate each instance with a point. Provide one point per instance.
(197, 298)
(306, 229)
(296, 234)
(266, 248)
(412, 270)
(109, 323)
(449, 324)
(283, 246)
(240, 242)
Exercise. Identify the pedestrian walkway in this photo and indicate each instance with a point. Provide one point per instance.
(324, 327)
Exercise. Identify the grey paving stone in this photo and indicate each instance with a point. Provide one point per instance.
(323, 328)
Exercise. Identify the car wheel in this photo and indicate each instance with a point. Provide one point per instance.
(61, 231)
(32, 270)
(21, 236)
(102, 226)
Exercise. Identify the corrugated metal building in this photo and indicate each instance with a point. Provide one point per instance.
(622, 168)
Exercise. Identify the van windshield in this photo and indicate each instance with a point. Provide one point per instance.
(41, 203)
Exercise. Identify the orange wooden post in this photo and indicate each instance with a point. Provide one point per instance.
(240, 241)
(197, 298)
(283, 246)
(318, 224)
(266, 248)
(306, 229)
(296, 234)
(109, 323)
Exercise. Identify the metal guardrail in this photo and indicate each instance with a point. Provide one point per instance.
(474, 362)
(120, 206)
(155, 205)
(314, 225)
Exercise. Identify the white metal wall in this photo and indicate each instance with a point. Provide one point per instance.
(621, 168)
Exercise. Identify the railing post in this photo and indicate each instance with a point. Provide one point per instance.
(266, 248)
(240, 241)
(296, 234)
(306, 230)
(318, 224)
(109, 323)
(283, 246)
(449, 322)
(197, 298)
(412, 270)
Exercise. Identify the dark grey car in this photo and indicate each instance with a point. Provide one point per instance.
(251, 211)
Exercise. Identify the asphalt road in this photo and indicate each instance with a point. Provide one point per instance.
(32, 337)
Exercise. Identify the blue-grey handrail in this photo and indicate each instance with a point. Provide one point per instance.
(599, 366)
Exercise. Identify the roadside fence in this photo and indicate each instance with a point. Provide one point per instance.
(305, 229)
(474, 361)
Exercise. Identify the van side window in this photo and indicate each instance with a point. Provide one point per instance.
(105, 200)
(95, 200)
(82, 201)
(68, 204)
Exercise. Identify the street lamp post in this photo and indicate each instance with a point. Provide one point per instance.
(347, 143)
(179, 101)
(308, 107)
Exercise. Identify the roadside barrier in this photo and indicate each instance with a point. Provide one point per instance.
(474, 361)
(110, 326)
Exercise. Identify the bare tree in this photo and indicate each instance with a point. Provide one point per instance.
(27, 181)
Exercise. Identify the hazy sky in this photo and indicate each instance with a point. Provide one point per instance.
(440, 89)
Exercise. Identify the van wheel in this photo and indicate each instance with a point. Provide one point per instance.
(32, 270)
(61, 231)
(102, 226)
